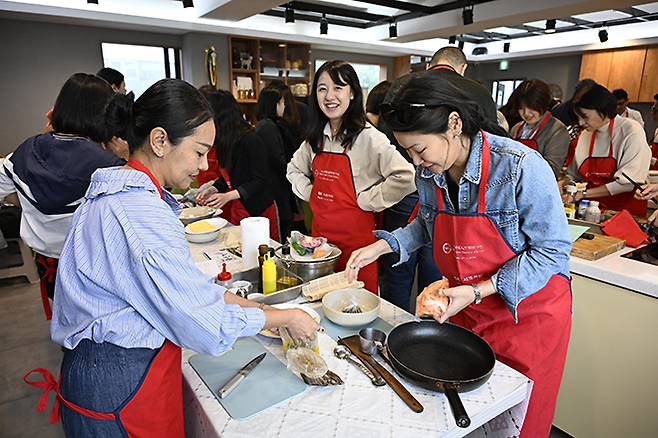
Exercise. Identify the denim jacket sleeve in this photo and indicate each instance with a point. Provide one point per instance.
(522, 200)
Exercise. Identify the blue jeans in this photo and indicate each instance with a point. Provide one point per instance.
(395, 283)
(100, 377)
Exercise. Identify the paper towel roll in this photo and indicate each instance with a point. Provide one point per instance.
(255, 232)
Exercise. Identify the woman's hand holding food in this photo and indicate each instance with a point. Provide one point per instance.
(648, 191)
(364, 256)
(300, 325)
(211, 198)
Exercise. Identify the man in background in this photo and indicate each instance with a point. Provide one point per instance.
(622, 107)
(114, 78)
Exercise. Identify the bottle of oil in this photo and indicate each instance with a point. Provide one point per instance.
(289, 277)
(262, 250)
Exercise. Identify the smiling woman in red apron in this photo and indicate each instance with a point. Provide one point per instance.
(539, 130)
(345, 169)
(128, 295)
(504, 254)
(608, 146)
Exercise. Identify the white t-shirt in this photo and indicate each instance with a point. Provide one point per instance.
(632, 114)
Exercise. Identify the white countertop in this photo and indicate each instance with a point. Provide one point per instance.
(619, 271)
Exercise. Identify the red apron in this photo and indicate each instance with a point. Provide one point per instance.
(234, 211)
(47, 281)
(598, 171)
(531, 142)
(654, 152)
(336, 213)
(213, 169)
(469, 249)
(155, 409)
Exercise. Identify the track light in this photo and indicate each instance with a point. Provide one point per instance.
(452, 40)
(92, 2)
(467, 15)
(324, 25)
(393, 31)
(188, 4)
(506, 47)
(461, 45)
(550, 26)
(290, 14)
(603, 35)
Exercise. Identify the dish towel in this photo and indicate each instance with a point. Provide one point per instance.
(318, 288)
(623, 226)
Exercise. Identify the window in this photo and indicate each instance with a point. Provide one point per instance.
(369, 74)
(142, 66)
(501, 91)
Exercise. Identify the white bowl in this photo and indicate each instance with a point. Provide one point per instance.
(193, 214)
(334, 302)
(206, 236)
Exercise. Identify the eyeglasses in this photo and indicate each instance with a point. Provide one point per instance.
(401, 111)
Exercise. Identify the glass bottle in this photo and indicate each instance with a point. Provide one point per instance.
(289, 277)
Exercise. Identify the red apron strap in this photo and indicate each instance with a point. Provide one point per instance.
(414, 212)
(51, 269)
(484, 174)
(49, 384)
(139, 166)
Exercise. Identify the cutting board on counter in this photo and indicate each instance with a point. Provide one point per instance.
(599, 246)
(267, 385)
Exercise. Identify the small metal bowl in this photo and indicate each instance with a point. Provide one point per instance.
(193, 214)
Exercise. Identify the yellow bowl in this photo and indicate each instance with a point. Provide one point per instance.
(334, 302)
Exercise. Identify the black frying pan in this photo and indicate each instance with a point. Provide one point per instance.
(441, 357)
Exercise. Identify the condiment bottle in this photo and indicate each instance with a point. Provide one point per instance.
(582, 208)
(571, 191)
(289, 277)
(262, 250)
(570, 210)
(224, 278)
(593, 213)
(269, 275)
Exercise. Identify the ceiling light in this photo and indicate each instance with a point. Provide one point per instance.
(92, 2)
(506, 47)
(603, 35)
(290, 14)
(550, 26)
(467, 15)
(393, 31)
(324, 25)
(188, 4)
(452, 40)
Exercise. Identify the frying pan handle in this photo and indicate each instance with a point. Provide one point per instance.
(461, 417)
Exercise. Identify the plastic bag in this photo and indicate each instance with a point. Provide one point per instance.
(305, 244)
(288, 343)
(306, 361)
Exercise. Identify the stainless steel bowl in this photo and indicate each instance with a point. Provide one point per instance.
(193, 214)
(312, 269)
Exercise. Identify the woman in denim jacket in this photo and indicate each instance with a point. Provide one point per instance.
(503, 245)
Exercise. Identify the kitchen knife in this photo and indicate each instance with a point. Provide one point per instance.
(239, 377)
(637, 186)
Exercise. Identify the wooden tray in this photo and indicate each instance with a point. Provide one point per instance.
(599, 246)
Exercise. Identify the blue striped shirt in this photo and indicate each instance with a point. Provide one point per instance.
(126, 275)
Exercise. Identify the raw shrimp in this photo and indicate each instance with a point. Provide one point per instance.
(432, 301)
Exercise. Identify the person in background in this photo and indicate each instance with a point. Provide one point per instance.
(51, 172)
(622, 107)
(539, 130)
(114, 78)
(129, 296)
(243, 164)
(375, 97)
(654, 143)
(346, 169)
(564, 111)
(608, 146)
(212, 173)
(649, 191)
(505, 255)
(269, 113)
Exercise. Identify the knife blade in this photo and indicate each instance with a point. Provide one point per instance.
(239, 377)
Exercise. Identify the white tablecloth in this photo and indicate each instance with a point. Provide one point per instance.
(358, 409)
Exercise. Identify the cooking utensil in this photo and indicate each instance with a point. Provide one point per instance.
(240, 376)
(342, 352)
(371, 340)
(334, 303)
(352, 343)
(636, 185)
(442, 357)
(312, 269)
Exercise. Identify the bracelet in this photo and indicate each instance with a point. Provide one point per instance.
(261, 306)
(478, 294)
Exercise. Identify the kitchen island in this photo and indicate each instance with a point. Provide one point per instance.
(609, 384)
(356, 408)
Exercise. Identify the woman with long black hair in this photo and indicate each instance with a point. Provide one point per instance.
(244, 185)
(346, 169)
(505, 255)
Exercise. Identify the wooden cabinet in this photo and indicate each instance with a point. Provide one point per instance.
(632, 69)
(271, 60)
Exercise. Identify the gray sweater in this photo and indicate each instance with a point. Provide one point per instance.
(552, 142)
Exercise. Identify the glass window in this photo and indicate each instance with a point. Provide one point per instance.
(369, 74)
(142, 66)
(501, 90)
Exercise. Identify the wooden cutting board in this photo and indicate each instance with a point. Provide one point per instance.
(599, 246)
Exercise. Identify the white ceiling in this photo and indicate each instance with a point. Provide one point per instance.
(421, 36)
